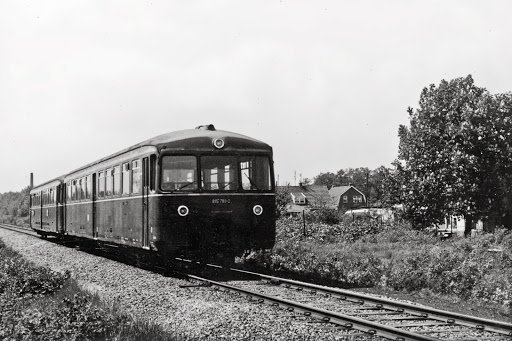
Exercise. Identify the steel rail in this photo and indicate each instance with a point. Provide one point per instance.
(345, 321)
(25, 230)
(449, 317)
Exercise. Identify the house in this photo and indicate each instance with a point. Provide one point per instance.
(306, 198)
(347, 198)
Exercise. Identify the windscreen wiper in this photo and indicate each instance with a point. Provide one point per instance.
(251, 181)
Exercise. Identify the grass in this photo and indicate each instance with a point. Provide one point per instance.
(39, 304)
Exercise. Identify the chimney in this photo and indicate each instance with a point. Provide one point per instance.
(31, 180)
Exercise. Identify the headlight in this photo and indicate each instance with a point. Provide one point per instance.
(218, 143)
(257, 209)
(183, 210)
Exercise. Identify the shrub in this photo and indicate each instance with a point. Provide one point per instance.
(324, 215)
(406, 271)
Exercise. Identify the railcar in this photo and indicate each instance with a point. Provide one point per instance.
(192, 192)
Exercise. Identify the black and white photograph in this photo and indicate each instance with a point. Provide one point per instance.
(255, 170)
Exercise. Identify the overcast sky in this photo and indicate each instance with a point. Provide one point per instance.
(326, 83)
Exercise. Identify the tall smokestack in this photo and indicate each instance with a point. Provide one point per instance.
(31, 180)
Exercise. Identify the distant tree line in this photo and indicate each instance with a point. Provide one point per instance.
(370, 182)
(14, 206)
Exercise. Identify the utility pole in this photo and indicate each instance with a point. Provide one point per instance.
(367, 190)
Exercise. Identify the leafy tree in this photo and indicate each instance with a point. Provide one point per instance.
(328, 179)
(376, 185)
(455, 156)
(306, 181)
(358, 177)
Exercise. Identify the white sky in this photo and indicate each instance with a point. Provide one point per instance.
(326, 83)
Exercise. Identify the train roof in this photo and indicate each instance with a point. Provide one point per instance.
(199, 139)
(48, 184)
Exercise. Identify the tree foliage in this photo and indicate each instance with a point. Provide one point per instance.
(455, 156)
(14, 205)
(370, 182)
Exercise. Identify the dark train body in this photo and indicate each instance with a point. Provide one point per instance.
(197, 191)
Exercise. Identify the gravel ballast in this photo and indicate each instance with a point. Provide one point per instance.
(197, 313)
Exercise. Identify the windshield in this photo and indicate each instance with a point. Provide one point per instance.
(179, 173)
(255, 173)
(219, 173)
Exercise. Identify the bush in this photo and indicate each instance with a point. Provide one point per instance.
(307, 260)
(406, 271)
(324, 215)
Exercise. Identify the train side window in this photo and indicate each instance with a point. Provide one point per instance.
(117, 180)
(101, 185)
(86, 187)
(82, 188)
(50, 196)
(68, 188)
(79, 193)
(126, 178)
(152, 172)
(108, 183)
(136, 176)
(73, 190)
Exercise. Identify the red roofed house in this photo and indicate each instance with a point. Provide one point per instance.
(347, 198)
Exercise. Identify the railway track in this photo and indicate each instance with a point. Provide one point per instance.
(25, 230)
(353, 313)
(367, 314)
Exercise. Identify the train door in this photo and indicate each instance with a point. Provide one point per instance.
(93, 203)
(61, 198)
(145, 203)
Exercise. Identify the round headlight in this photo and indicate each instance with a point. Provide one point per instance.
(218, 143)
(257, 209)
(183, 210)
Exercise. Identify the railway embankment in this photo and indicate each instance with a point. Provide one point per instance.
(182, 309)
(471, 274)
(38, 303)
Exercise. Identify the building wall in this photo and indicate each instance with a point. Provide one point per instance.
(456, 224)
(342, 206)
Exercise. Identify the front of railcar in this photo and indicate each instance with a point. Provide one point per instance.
(216, 194)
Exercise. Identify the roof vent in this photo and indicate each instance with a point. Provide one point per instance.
(206, 127)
